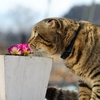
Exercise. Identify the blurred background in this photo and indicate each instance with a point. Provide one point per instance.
(18, 16)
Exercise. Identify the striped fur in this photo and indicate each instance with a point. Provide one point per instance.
(53, 35)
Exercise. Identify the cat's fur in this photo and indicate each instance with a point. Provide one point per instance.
(54, 35)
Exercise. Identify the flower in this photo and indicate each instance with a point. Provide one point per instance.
(20, 49)
(14, 50)
(26, 50)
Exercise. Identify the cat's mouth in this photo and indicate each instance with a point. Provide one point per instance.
(33, 47)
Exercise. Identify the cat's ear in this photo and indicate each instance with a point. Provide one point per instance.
(51, 23)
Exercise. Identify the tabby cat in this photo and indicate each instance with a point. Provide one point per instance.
(78, 43)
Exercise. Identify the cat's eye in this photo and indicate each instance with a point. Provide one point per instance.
(35, 33)
(49, 20)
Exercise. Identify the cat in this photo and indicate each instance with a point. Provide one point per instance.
(78, 43)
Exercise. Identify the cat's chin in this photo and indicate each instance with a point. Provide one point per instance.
(52, 53)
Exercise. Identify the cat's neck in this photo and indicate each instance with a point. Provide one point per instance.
(68, 49)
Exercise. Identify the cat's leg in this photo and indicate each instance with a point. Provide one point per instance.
(54, 93)
(96, 90)
(84, 91)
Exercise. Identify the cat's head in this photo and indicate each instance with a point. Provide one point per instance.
(48, 36)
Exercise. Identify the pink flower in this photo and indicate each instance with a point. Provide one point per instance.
(20, 49)
(26, 50)
(14, 50)
(19, 45)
